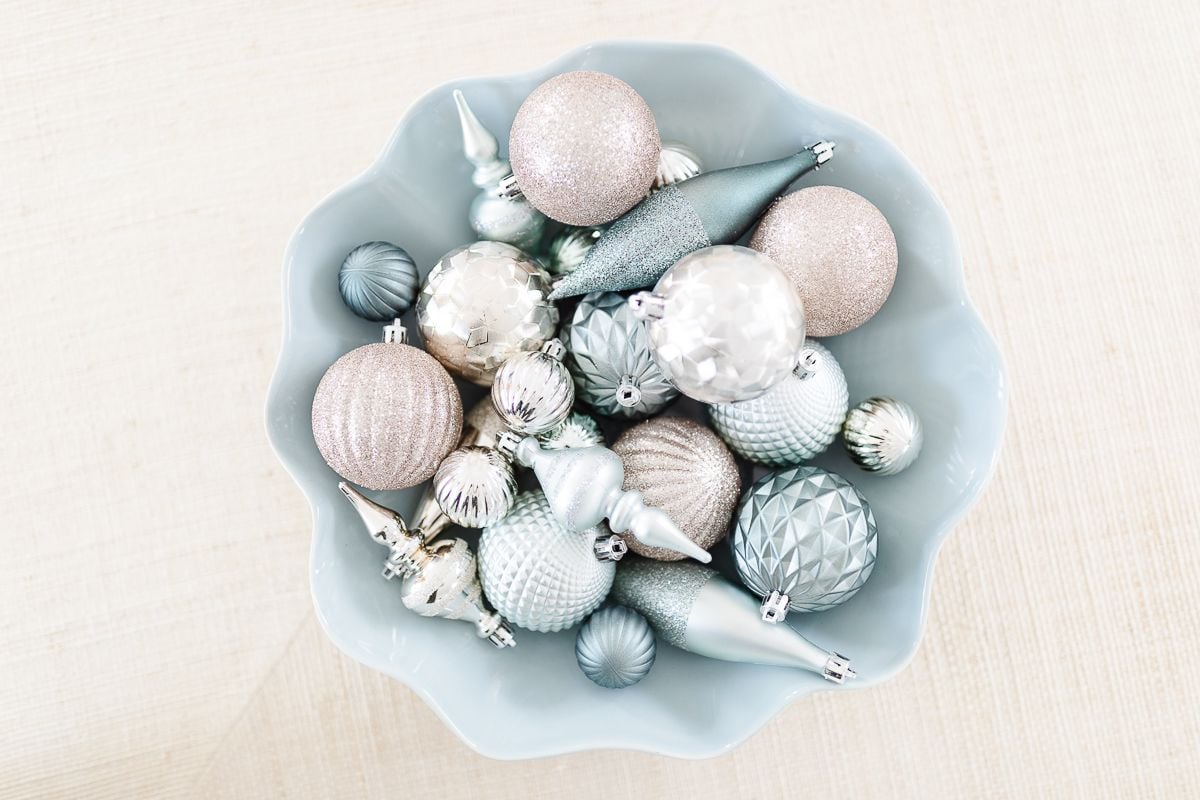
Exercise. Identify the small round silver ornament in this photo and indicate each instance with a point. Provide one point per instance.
(539, 574)
(577, 430)
(610, 356)
(805, 539)
(676, 163)
(883, 435)
(615, 648)
(378, 281)
(533, 392)
(481, 304)
(475, 486)
(724, 324)
(795, 420)
(567, 250)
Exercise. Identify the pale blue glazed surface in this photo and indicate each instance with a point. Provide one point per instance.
(927, 346)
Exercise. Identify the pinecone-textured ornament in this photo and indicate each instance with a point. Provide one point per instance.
(805, 539)
(615, 648)
(883, 435)
(794, 421)
(577, 430)
(539, 574)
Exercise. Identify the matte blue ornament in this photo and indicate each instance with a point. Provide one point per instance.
(615, 648)
(379, 281)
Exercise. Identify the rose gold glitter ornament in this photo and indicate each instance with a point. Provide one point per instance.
(385, 415)
(838, 250)
(584, 148)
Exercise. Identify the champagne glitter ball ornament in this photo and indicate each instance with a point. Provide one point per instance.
(838, 250)
(610, 360)
(794, 421)
(475, 486)
(805, 539)
(533, 392)
(569, 247)
(385, 415)
(539, 574)
(584, 148)
(615, 648)
(681, 466)
(482, 304)
(676, 163)
(883, 435)
(724, 324)
(577, 430)
(378, 281)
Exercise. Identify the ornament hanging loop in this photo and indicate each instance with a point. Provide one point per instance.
(809, 364)
(627, 392)
(648, 305)
(823, 151)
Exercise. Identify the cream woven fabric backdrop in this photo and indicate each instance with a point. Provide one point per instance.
(157, 634)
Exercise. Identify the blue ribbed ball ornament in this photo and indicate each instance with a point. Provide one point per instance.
(615, 648)
(379, 281)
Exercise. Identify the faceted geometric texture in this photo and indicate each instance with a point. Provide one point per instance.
(806, 533)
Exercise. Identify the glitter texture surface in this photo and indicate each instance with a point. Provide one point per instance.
(663, 592)
(838, 250)
(385, 415)
(584, 148)
(681, 467)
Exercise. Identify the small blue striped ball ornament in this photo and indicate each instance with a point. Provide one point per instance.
(379, 281)
(615, 648)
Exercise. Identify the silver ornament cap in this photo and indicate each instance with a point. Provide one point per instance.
(883, 435)
(615, 648)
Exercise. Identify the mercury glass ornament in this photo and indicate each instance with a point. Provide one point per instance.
(805, 539)
(724, 324)
(584, 148)
(569, 247)
(794, 421)
(475, 486)
(533, 392)
(681, 466)
(838, 250)
(437, 580)
(385, 415)
(577, 430)
(676, 163)
(539, 574)
(610, 360)
(695, 609)
(883, 435)
(482, 304)
(615, 648)
(378, 281)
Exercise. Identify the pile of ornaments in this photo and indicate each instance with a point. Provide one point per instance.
(594, 205)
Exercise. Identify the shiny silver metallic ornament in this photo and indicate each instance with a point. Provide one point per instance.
(482, 304)
(378, 281)
(437, 580)
(695, 609)
(569, 247)
(540, 575)
(792, 422)
(681, 466)
(724, 324)
(385, 415)
(475, 486)
(676, 163)
(615, 648)
(577, 430)
(610, 360)
(713, 208)
(533, 392)
(883, 435)
(805, 539)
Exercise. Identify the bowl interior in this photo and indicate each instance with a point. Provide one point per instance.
(926, 346)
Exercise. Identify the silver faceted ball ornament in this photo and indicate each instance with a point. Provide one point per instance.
(569, 247)
(805, 539)
(615, 648)
(724, 324)
(795, 420)
(676, 163)
(378, 281)
(577, 430)
(482, 304)
(475, 486)
(533, 392)
(883, 435)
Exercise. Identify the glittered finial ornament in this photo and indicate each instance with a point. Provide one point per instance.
(805, 539)
(482, 304)
(724, 324)
(883, 435)
(533, 392)
(795, 420)
(676, 163)
(569, 247)
(615, 648)
(711, 208)
(577, 430)
(378, 281)
(584, 148)
(695, 609)
(838, 250)
(437, 580)
(385, 415)
(681, 466)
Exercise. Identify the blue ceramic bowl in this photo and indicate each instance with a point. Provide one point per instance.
(927, 346)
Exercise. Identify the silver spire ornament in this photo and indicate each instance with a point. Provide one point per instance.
(378, 281)
(695, 609)
(883, 435)
(615, 648)
(437, 580)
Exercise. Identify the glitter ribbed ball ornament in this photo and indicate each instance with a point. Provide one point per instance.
(385, 415)
(537, 573)
(584, 148)
(676, 163)
(681, 467)
(883, 435)
(794, 421)
(805, 539)
(481, 304)
(475, 486)
(577, 430)
(615, 648)
(533, 392)
(569, 247)
(838, 250)
(610, 360)
(724, 324)
(378, 281)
